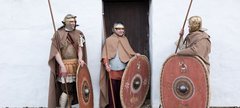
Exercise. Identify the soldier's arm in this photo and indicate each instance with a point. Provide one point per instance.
(80, 56)
(59, 59)
(197, 49)
(63, 69)
(105, 62)
(188, 51)
(80, 49)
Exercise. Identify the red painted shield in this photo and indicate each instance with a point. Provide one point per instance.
(135, 82)
(184, 83)
(84, 88)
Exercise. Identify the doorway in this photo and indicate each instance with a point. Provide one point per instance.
(134, 14)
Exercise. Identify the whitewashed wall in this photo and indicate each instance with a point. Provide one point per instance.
(26, 30)
(25, 38)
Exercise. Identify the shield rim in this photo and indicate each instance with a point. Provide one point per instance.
(205, 71)
(91, 100)
(124, 74)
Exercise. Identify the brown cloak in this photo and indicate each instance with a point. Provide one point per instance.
(125, 52)
(197, 44)
(57, 41)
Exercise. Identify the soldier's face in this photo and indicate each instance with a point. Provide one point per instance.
(70, 23)
(119, 31)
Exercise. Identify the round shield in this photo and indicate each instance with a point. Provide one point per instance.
(184, 83)
(84, 88)
(135, 82)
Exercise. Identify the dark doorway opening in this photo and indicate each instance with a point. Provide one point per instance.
(134, 14)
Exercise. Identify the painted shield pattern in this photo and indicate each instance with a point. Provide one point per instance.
(135, 82)
(84, 87)
(184, 83)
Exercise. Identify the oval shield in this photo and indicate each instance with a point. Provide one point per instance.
(184, 83)
(135, 82)
(84, 88)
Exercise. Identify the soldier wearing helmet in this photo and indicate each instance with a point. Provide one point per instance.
(115, 55)
(67, 52)
(197, 42)
(69, 22)
(195, 23)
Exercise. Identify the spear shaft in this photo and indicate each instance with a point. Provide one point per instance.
(180, 37)
(53, 22)
(54, 27)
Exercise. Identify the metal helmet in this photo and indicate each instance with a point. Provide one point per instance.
(195, 23)
(69, 16)
(118, 26)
